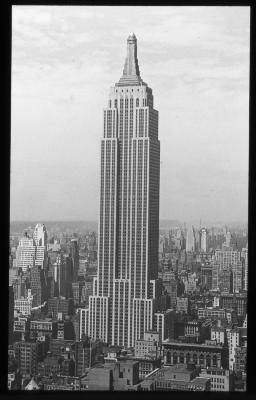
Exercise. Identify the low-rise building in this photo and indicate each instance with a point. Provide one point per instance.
(182, 305)
(176, 378)
(43, 327)
(211, 312)
(148, 346)
(119, 375)
(218, 333)
(24, 305)
(221, 379)
(203, 355)
(60, 383)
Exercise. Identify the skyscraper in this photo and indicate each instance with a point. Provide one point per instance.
(74, 255)
(122, 306)
(204, 240)
(190, 239)
(40, 235)
(40, 238)
(26, 252)
(244, 257)
(237, 272)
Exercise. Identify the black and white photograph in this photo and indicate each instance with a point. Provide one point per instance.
(129, 179)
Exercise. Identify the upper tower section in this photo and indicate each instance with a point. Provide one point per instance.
(131, 72)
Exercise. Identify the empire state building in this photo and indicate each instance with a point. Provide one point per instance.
(125, 290)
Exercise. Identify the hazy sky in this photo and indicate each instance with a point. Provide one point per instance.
(64, 61)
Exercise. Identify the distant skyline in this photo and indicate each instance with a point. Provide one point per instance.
(64, 61)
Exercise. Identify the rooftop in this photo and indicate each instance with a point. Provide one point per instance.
(177, 342)
(200, 380)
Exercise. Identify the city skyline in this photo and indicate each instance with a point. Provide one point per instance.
(200, 69)
(154, 297)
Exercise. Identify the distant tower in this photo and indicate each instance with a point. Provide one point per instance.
(228, 239)
(40, 235)
(26, 252)
(40, 238)
(74, 255)
(244, 257)
(237, 272)
(38, 285)
(190, 239)
(204, 240)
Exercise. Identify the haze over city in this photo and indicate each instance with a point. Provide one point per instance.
(65, 59)
(128, 241)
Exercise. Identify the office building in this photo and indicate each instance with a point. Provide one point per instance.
(228, 239)
(237, 274)
(218, 333)
(24, 305)
(44, 327)
(190, 283)
(190, 240)
(50, 366)
(150, 345)
(206, 277)
(121, 310)
(26, 252)
(62, 271)
(26, 354)
(225, 280)
(59, 347)
(211, 312)
(182, 305)
(204, 355)
(40, 238)
(171, 289)
(244, 257)
(60, 305)
(239, 365)
(74, 256)
(235, 301)
(77, 291)
(164, 324)
(227, 257)
(221, 379)
(85, 355)
(216, 268)
(21, 328)
(86, 292)
(38, 285)
(204, 240)
(10, 315)
(233, 343)
(83, 321)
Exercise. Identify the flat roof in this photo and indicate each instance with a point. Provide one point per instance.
(178, 368)
(177, 343)
(200, 380)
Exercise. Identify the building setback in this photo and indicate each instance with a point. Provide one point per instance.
(121, 307)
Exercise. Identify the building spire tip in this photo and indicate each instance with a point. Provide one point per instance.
(132, 36)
